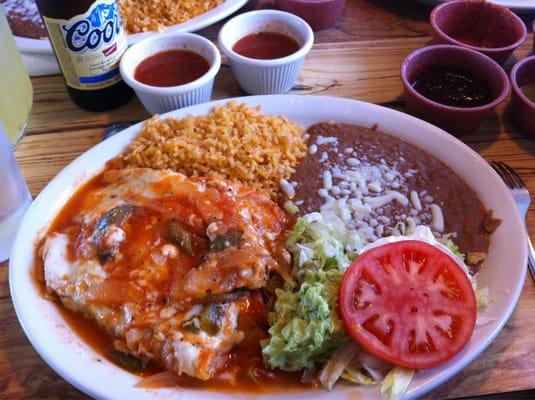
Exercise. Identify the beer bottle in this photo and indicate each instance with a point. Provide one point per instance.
(88, 39)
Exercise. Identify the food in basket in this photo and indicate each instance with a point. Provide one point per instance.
(154, 15)
(180, 252)
(24, 19)
(137, 15)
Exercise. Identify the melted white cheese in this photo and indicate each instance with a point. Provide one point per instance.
(186, 355)
(57, 268)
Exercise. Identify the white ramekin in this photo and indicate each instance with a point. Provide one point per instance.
(158, 100)
(266, 76)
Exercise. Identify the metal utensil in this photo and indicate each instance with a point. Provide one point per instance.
(116, 128)
(522, 199)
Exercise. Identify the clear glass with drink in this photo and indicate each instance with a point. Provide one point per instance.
(16, 93)
(14, 196)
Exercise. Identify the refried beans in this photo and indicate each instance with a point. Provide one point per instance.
(380, 185)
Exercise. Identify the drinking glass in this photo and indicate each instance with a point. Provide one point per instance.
(16, 92)
(14, 196)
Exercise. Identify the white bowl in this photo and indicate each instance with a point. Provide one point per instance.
(266, 76)
(158, 100)
(77, 362)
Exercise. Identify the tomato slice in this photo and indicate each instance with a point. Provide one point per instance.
(408, 303)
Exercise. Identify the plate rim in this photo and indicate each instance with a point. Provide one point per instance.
(122, 138)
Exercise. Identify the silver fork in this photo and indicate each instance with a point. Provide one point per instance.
(522, 199)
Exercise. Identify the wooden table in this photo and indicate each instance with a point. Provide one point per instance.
(359, 59)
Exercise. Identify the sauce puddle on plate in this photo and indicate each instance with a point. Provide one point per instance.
(266, 46)
(171, 68)
(453, 87)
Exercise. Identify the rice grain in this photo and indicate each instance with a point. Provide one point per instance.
(235, 141)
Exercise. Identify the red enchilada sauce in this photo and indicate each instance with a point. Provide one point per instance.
(266, 46)
(171, 68)
(246, 358)
(244, 365)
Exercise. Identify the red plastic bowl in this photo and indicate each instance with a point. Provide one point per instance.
(479, 25)
(523, 108)
(458, 121)
(320, 14)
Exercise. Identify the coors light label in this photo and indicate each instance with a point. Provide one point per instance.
(89, 46)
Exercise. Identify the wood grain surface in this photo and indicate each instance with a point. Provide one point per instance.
(358, 59)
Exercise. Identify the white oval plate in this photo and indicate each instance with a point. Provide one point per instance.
(75, 361)
(199, 22)
(521, 6)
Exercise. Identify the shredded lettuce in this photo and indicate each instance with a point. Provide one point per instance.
(396, 383)
(322, 242)
(337, 364)
(291, 207)
(357, 377)
(373, 366)
(482, 297)
(305, 328)
(453, 248)
(366, 369)
(482, 294)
